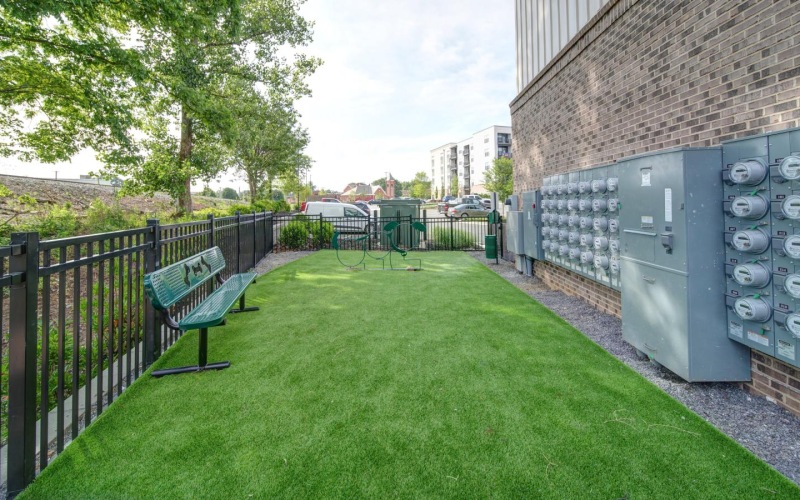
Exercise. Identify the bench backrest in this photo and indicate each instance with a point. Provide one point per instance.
(170, 284)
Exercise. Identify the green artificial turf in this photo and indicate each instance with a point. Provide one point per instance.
(446, 382)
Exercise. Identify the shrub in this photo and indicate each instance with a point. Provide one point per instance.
(230, 194)
(294, 235)
(322, 233)
(102, 218)
(58, 222)
(462, 240)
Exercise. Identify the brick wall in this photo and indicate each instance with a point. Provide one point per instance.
(646, 75)
(601, 297)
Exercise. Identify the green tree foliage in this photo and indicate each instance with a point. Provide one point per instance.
(379, 182)
(420, 186)
(500, 178)
(453, 186)
(230, 194)
(103, 72)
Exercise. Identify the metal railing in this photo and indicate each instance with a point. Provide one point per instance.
(442, 233)
(76, 329)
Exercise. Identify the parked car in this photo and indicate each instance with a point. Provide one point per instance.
(344, 216)
(468, 210)
(330, 200)
(363, 206)
(487, 202)
(447, 202)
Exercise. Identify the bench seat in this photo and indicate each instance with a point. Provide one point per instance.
(212, 311)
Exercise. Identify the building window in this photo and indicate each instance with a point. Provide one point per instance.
(486, 139)
(485, 152)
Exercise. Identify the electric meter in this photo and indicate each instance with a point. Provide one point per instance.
(554, 246)
(613, 225)
(563, 234)
(613, 264)
(584, 187)
(601, 243)
(613, 204)
(574, 253)
(585, 222)
(601, 261)
(545, 244)
(563, 220)
(600, 224)
(561, 204)
(587, 257)
(584, 205)
(747, 172)
(612, 184)
(793, 324)
(599, 205)
(563, 250)
(791, 246)
(572, 188)
(752, 309)
(561, 189)
(587, 239)
(789, 167)
(545, 231)
(599, 186)
(613, 245)
(551, 204)
(752, 274)
(572, 220)
(750, 241)
(574, 238)
(792, 285)
(572, 204)
(791, 206)
(749, 207)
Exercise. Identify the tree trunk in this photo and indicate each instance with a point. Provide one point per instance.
(184, 155)
(252, 183)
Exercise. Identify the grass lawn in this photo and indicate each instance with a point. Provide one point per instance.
(447, 382)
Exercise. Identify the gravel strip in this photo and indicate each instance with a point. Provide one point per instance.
(764, 428)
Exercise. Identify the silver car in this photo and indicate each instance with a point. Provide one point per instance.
(468, 210)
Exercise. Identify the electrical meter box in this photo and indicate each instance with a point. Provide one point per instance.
(672, 260)
(748, 215)
(532, 221)
(515, 237)
(784, 200)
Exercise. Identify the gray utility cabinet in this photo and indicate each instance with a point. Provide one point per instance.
(672, 258)
(515, 237)
(532, 222)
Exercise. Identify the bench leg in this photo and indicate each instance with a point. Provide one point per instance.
(202, 360)
(242, 308)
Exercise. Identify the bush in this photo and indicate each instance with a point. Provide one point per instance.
(230, 194)
(102, 218)
(58, 222)
(462, 240)
(322, 233)
(294, 235)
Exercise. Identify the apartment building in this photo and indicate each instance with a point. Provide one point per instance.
(464, 163)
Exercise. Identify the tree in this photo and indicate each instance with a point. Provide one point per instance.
(420, 186)
(379, 182)
(72, 62)
(453, 186)
(500, 178)
(230, 194)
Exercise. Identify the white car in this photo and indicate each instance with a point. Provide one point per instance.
(344, 216)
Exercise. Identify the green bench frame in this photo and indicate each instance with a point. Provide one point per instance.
(166, 286)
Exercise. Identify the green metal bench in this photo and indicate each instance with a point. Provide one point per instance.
(166, 286)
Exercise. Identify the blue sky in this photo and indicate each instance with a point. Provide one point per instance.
(398, 79)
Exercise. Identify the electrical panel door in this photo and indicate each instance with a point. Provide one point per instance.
(672, 260)
(532, 220)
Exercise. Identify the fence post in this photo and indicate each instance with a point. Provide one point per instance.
(238, 242)
(452, 244)
(152, 261)
(23, 335)
(425, 222)
(255, 235)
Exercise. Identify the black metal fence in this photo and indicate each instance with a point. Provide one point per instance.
(76, 329)
(442, 233)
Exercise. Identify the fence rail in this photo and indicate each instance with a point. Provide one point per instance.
(76, 328)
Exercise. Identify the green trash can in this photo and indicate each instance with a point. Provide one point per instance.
(401, 211)
(490, 243)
